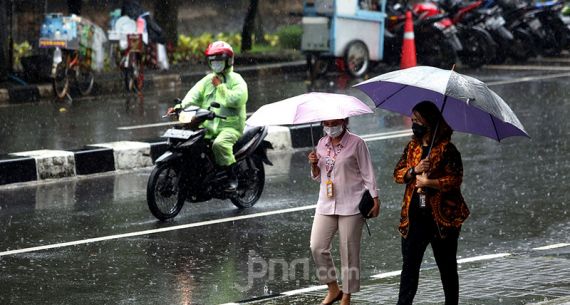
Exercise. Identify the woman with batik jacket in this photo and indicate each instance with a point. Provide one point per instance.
(433, 208)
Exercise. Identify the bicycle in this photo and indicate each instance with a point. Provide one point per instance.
(66, 61)
(132, 64)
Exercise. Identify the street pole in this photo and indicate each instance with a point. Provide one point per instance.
(4, 40)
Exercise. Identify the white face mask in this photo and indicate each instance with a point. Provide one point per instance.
(333, 131)
(218, 65)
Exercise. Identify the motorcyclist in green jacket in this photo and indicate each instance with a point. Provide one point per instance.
(228, 89)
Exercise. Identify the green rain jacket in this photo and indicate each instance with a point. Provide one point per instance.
(231, 94)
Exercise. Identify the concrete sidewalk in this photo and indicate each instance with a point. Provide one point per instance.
(540, 276)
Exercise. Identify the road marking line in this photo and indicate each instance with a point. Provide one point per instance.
(482, 258)
(303, 290)
(407, 133)
(527, 79)
(528, 68)
(555, 246)
(372, 135)
(459, 261)
(147, 125)
(154, 231)
(387, 274)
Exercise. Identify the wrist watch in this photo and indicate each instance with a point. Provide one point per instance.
(412, 171)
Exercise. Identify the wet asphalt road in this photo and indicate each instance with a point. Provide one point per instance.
(517, 192)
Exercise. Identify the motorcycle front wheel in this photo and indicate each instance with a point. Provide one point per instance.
(163, 193)
(251, 180)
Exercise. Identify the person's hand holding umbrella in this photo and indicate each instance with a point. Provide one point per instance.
(314, 160)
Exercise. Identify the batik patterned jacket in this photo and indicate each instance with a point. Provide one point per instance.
(447, 204)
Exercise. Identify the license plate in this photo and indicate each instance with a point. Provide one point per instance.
(178, 134)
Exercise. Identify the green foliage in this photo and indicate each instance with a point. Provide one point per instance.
(191, 48)
(290, 36)
(21, 50)
(272, 40)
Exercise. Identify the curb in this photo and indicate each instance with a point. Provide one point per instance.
(162, 80)
(47, 164)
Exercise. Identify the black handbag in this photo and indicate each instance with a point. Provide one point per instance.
(365, 205)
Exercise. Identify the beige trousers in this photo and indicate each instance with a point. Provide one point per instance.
(350, 234)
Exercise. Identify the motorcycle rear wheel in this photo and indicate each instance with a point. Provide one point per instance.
(434, 49)
(251, 180)
(522, 47)
(163, 193)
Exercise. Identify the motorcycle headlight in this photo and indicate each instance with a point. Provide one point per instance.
(186, 116)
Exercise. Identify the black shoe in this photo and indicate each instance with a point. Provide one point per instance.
(232, 182)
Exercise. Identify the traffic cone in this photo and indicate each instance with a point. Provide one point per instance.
(408, 58)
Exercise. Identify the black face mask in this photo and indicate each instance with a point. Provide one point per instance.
(419, 130)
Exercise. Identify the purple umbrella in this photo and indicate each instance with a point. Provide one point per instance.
(466, 103)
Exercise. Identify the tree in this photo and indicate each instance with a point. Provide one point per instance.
(166, 15)
(248, 26)
(5, 39)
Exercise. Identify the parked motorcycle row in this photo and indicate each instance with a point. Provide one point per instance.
(479, 32)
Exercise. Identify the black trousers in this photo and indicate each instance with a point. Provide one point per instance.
(423, 231)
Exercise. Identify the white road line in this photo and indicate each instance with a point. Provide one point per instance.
(555, 246)
(528, 68)
(386, 274)
(303, 290)
(527, 79)
(372, 135)
(401, 135)
(147, 125)
(482, 258)
(155, 125)
(154, 231)
(459, 261)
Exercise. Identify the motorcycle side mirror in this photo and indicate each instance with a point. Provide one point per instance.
(177, 101)
(215, 105)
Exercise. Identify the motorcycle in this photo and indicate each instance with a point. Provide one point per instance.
(436, 39)
(555, 30)
(478, 45)
(187, 171)
(541, 20)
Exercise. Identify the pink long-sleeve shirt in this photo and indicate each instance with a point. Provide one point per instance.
(351, 175)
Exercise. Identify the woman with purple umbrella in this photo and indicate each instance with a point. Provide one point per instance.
(433, 208)
(343, 166)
